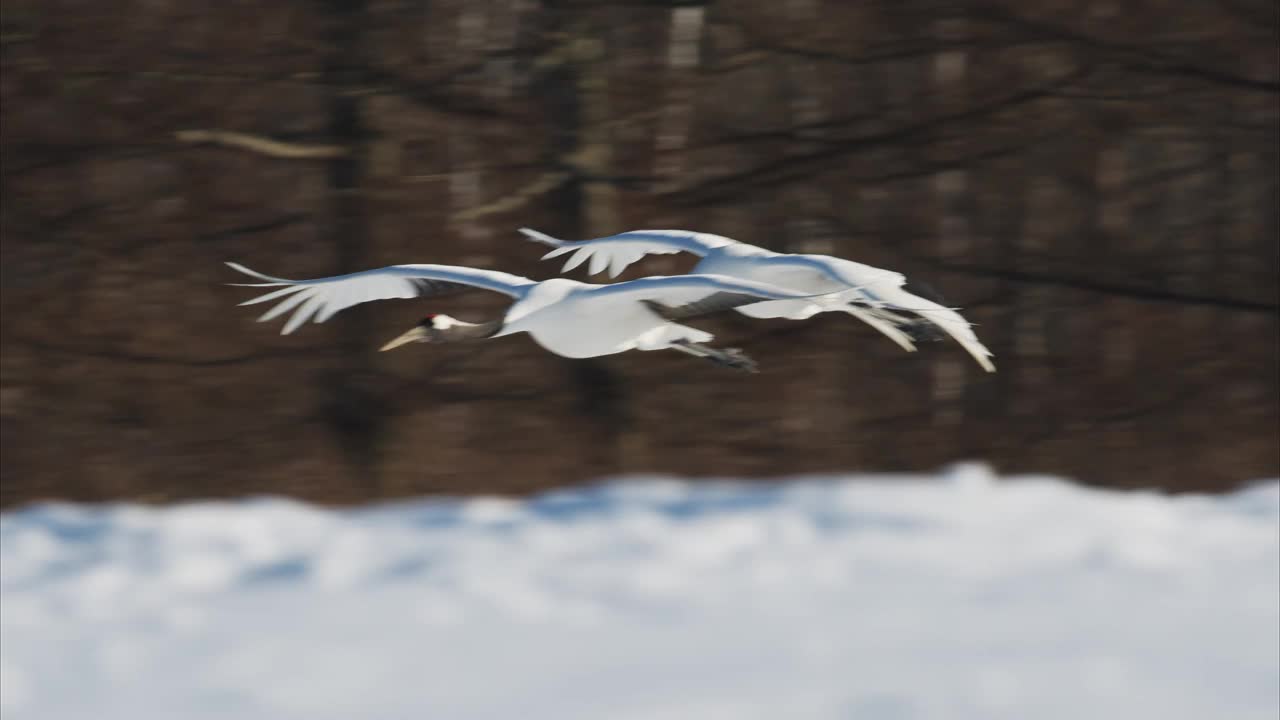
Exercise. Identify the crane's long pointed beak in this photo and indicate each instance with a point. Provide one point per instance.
(414, 334)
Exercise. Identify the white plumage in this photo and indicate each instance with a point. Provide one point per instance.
(873, 295)
(566, 317)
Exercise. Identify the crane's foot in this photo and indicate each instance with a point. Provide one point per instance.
(734, 358)
(729, 357)
(913, 326)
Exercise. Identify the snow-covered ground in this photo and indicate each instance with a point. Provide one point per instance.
(859, 598)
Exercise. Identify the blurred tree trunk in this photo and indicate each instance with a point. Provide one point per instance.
(574, 87)
(354, 408)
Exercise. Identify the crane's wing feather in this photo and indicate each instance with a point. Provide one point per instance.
(713, 303)
(319, 299)
(684, 296)
(616, 252)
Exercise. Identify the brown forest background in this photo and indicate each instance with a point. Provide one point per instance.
(1094, 181)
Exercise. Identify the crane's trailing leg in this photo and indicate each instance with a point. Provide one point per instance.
(729, 357)
(922, 330)
(915, 329)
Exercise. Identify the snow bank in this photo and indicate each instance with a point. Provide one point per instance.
(863, 598)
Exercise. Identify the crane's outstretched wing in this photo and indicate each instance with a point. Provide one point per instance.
(322, 297)
(616, 252)
(685, 296)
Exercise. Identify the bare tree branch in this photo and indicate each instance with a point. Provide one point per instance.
(789, 168)
(1138, 58)
(543, 185)
(147, 359)
(261, 145)
(1105, 288)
